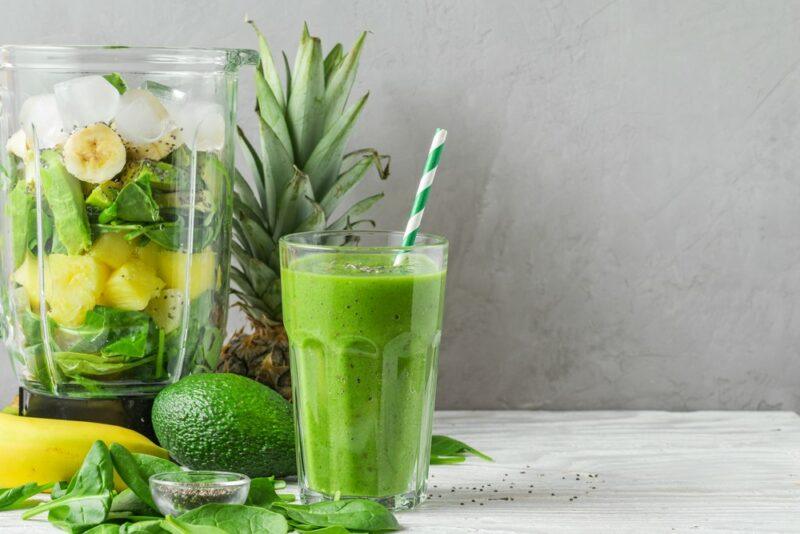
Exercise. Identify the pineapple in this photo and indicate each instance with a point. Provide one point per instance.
(27, 275)
(202, 273)
(302, 174)
(148, 254)
(73, 285)
(166, 309)
(132, 286)
(112, 249)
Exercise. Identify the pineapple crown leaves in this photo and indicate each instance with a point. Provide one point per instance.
(300, 168)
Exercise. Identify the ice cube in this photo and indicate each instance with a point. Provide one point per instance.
(202, 125)
(40, 113)
(86, 100)
(141, 117)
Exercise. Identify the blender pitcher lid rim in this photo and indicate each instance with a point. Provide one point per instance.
(188, 59)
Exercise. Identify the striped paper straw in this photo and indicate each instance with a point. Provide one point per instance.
(425, 183)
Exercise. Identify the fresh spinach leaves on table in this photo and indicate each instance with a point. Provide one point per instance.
(89, 504)
(263, 494)
(352, 514)
(237, 518)
(87, 499)
(125, 464)
(178, 526)
(447, 450)
(135, 469)
(13, 498)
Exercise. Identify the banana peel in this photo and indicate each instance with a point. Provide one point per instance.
(34, 449)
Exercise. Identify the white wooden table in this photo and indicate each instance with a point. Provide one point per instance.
(607, 472)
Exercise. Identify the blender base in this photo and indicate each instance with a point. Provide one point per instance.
(129, 412)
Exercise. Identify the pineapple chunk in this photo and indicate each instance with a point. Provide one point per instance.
(149, 254)
(172, 269)
(112, 249)
(132, 286)
(27, 275)
(73, 286)
(166, 309)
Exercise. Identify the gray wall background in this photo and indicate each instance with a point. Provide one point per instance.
(620, 181)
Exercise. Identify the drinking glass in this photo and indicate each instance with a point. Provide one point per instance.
(363, 315)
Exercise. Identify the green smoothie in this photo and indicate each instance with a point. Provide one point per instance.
(364, 338)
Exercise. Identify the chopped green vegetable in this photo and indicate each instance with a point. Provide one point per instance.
(134, 203)
(22, 212)
(65, 198)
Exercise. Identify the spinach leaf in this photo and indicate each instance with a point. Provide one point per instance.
(116, 80)
(145, 466)
(237, 518)
(143, 527)
(152, 465)
(59, 489)
(446, 460)
(353, 514)
(262, 493)
(127, 501)
(12, 498)
(161, 175)
(445, 449)
(87, 499)
(80, 364)
(112, 332)
(134, 203)
(105, 528)
(128, 470)
(177, 526)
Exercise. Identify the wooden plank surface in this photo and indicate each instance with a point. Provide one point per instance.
(607, 472)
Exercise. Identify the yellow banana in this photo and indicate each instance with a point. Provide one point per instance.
(40, 450)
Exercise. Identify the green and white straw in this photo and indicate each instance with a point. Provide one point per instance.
(425, 183)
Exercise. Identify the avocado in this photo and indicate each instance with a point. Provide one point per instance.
(102, 196)
(65, 198)
(226, 422)
(22, 212)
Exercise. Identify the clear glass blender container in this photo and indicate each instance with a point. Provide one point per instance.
(115, 217)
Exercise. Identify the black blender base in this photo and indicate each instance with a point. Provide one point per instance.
(130, 412)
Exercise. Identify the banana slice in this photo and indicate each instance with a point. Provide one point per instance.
(157, 150)
(94, 154)
(17, 144)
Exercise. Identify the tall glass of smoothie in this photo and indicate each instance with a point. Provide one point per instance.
(364, 317)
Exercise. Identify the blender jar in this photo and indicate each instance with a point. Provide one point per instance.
(115, 223)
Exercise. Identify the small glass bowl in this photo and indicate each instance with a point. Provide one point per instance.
(177, 492)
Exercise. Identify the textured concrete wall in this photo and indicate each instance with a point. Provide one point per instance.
(620, 182)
